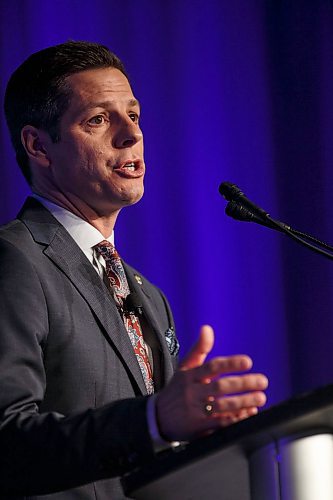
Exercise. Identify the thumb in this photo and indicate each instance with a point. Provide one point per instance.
(200, 349)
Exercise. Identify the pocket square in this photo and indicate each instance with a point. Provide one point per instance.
(172, 341)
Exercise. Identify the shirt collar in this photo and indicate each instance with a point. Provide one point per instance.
(84, 234)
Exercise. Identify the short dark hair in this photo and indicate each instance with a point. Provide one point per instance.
(37, 93)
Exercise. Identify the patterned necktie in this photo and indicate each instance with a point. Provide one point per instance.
(117, 278)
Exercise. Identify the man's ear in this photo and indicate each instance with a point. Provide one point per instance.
(34, 142)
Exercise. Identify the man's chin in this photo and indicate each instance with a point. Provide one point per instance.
(132, 197)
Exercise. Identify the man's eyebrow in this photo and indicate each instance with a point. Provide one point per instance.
(134, 102)
(106, 104)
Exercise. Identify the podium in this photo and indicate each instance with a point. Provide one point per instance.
(283, 453)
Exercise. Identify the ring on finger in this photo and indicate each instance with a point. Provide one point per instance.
(208, 408)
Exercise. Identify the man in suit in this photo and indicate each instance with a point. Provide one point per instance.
(77, 406)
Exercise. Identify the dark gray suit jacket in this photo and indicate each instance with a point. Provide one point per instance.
(72, 397)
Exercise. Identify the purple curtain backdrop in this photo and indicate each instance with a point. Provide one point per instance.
(238, 91)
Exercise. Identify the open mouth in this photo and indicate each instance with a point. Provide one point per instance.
(130, 168)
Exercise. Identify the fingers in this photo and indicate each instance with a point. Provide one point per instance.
(234, 398)
(220, 366)
(215, 421)
(235, 404)
(228, 418)
(234, 384)
(200, 350)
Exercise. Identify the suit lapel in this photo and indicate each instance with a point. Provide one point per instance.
(139, 286)
(67, 256)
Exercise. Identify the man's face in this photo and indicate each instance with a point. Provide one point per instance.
(99, 158)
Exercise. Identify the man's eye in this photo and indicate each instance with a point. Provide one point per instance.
(134, 117)
(97, 120)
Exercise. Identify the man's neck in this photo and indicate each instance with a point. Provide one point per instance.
(103, 223)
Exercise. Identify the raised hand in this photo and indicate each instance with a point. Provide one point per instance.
(203, 396)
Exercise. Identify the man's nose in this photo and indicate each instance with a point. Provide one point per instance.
(128, 133)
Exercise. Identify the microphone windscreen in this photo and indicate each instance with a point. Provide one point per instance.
(230, 191)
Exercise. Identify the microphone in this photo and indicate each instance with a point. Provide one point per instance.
(238, 212)
(231, 192)
(133, 304)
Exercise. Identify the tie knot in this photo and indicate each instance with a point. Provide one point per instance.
(114, 270)
(107, 250)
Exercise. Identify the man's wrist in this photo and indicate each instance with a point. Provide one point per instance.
(159, 444)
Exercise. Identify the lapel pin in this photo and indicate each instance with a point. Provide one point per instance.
(138, 279)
